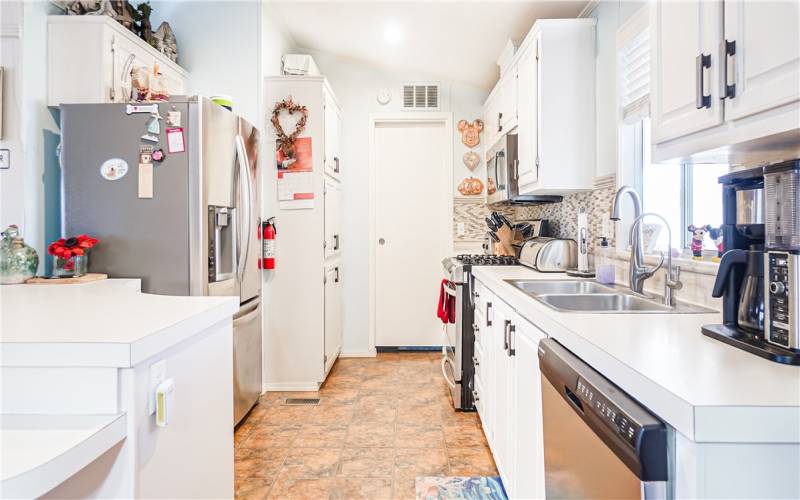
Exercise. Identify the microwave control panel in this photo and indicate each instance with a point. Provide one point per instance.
(626, 427)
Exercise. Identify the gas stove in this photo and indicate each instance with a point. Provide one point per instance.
(457, 364)
(487, 260)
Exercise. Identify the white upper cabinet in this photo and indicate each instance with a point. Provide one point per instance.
(89, 60)
(733, 103)
(685, 45)
(508, 100)
(763, 41)
(528, 115)
(556, 107)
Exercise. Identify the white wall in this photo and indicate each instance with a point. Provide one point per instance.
(219, 44)
(356, 87)
(610, 15)
(27, 120)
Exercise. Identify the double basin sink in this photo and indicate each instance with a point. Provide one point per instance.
(592, 297)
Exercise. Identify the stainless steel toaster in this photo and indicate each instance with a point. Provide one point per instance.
(549, 255)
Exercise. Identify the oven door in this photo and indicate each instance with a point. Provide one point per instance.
(451, 346)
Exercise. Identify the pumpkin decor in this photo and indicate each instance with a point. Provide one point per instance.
(491, 187)
(471, 186)
(471, 160)
(286, 142)
(470, 132)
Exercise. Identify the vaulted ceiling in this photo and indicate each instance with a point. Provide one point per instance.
(459, 41)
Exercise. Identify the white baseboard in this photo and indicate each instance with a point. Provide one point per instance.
(369, 353)
(291, 387)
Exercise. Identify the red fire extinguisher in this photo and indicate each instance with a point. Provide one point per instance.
(268, 234)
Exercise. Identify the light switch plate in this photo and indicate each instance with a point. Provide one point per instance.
(5, 159)
(461, 229)
(158, 373)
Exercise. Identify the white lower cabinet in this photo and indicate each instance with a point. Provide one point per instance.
(510, 404)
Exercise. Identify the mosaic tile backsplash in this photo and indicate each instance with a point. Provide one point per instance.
(563, 217)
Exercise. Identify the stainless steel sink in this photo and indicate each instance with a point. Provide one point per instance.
(541, 287)
(592, 297)
(602, 302)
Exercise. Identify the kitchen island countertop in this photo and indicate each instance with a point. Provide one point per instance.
(108, 323)
(707, 390)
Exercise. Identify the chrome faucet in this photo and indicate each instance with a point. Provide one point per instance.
(637, 272)
(672, 279)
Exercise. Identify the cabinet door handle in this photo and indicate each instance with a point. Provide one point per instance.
(506, 331)
(336, 279)
(703, 62)
(488, 315)
(336, 242)
(475, 361)
(512, 332)
(336, 164)
(728, 56)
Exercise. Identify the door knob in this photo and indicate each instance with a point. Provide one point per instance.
(381, 241)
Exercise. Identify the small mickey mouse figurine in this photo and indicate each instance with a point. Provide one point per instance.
(716, 234)
(698, 233)
(470, 132)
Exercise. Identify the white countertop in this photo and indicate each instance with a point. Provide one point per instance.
(707, 390)
(103, 323)
(39, 452)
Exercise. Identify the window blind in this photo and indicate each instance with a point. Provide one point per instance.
(633, 67)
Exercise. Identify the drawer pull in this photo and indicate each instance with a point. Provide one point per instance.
(475, 396)
(475, 361)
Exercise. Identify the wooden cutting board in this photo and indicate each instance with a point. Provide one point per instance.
(86, 278)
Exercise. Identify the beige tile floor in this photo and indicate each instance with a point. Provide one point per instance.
(381, 423)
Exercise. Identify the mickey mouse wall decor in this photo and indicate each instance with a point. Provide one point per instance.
(470, 132)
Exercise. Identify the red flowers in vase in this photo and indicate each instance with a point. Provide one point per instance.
(65, 248)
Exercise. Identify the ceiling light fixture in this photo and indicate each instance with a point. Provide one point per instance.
(393, 33)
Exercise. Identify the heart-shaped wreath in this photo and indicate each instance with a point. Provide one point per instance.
(287, 142)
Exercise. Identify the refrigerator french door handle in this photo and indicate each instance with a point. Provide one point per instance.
(246, 209)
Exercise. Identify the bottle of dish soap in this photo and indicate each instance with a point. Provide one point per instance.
(18, 261)
(605, 270)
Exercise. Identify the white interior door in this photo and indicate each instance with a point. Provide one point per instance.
(413, 196)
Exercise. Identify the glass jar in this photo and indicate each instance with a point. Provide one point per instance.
(73, 267)
(18, 261)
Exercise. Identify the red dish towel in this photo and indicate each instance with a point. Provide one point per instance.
(446, 310)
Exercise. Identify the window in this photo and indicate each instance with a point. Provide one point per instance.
(683, 194)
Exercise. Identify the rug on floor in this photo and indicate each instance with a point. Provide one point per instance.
(458, 487)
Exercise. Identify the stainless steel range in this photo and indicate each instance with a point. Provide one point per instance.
(458, 344)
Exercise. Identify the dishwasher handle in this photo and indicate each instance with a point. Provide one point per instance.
(629, 430)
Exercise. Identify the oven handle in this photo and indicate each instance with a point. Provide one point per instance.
(446, 360)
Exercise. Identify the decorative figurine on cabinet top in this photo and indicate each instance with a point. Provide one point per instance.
(165, 42)
(470, 132)
(18, 261)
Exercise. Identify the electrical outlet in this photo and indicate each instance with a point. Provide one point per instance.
(461, 229)
(158, 373)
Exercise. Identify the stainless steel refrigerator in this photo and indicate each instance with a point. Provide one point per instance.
(197, 234)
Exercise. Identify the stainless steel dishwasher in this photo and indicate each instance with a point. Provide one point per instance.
(598, 441)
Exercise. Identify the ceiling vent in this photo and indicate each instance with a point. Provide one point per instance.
(421, 97)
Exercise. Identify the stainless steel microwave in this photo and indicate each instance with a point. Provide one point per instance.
(501, 170)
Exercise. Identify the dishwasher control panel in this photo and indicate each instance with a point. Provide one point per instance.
(626, 427)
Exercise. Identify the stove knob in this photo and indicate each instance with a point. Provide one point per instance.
(777, 288)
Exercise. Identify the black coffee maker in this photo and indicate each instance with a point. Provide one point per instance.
(740, 278)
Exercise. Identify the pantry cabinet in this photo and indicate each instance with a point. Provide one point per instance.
(333, 127)
(509, 386)
(684, 96)
(304, 313)
(90, 58)
(728, 83)
(551, 83)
